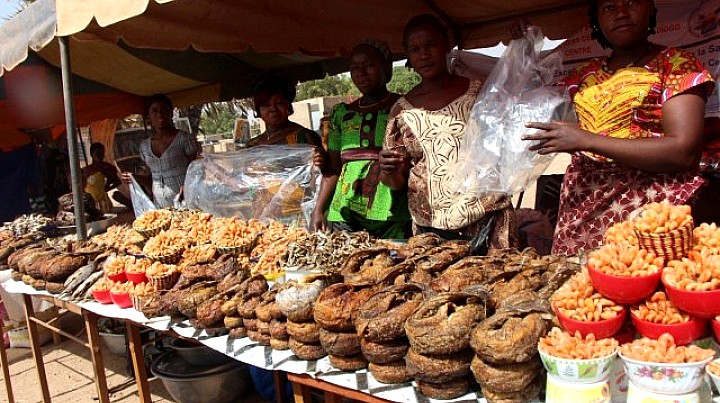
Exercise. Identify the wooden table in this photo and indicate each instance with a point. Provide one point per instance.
(303, 384)
(93, 344)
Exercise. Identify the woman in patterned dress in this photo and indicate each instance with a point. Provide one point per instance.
(423, 139)
(351, 193)
(641, 113)
(167, 152)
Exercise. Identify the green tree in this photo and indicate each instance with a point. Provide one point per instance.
(403, 80)
(219, 117)
(340, 84)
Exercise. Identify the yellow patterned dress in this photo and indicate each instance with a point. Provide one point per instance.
(626, 103)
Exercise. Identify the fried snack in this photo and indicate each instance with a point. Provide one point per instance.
(153, 219)
(116, 265)
(438, 368)
(271, 253)
(304, 332)
(707, 236)
(662, 217)
(143, 289)
(306, 351)
(578, 300)
(385, 352)
(191, 219)
(392, 372)
(238, 333)
(119, 237)
(700, 271)
(348, 363)
(336, 305)
(232, 322)
(621, 259)
(232, 232)
(619, 233)
(278, 329)
(659, 309)
(444, 390)
(508, 337)
(138, 265)
(664, 350)
(528, 394)
(382, 317)
(564, 345)
(505, 378)
(158, 269)
(166, 243)
(104, 284)
(199, 254)
(714, 367)
(442, 324)
(122, 288)
(340, 344)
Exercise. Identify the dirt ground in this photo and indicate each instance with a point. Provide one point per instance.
(70, 373)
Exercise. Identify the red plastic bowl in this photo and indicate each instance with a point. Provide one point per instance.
(716, 329)
(118, 278)
(702, 304)
(683, 333)
(626, 334)
(601, 329)
(121, 300)
(102, 297)
(624, 290)
(136, 278)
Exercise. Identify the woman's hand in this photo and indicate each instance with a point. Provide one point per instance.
(557, 137)
(392, 161)
(320, 158)
(126, 177)
(317, 220)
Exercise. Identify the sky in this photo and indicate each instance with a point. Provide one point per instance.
(8, 9)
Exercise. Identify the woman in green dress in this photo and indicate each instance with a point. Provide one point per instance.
(351, 196)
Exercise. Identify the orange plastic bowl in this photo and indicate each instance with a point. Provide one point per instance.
(683, 333)
(136, 278)
(621, 289)
(702, 304)
(122, 300)
(601, 329)
(118, 278)
(102, 297)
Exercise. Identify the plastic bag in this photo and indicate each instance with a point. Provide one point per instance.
(494, 158)
(141, 202)
(263, 182)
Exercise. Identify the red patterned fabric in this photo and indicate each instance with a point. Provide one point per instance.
(597, 192)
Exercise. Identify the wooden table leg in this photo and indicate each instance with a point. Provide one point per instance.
(280, 380)
(301, 393)
(91, 326)
(36, 348)
(6, 372)
(138, 361)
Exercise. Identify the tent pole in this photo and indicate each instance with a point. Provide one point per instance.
(78, 199)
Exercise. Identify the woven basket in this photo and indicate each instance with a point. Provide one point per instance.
(164, 282)
(671, 245)
(240, 249)
(170, 258)
(151, 232)
(139, 301)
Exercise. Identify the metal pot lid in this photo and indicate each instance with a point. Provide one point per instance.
(172, 366)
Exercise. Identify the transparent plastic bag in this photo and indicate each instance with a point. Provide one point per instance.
(494, 158)
(263, 182)
(141, 202)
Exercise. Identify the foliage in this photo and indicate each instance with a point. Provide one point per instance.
(340, 84)
(219, 117)
(403, 80)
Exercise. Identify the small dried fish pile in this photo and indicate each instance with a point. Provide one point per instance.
(26, 224)
(325, 251)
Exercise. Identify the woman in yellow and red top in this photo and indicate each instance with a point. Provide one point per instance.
(641, 113)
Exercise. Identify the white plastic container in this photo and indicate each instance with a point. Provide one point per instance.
(637, 394)
(558, 391)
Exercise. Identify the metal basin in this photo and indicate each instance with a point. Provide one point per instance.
(207, 384)
(198, 354)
